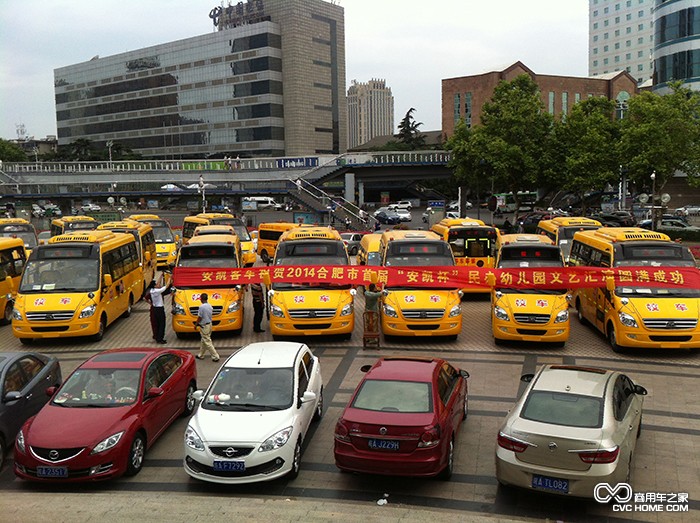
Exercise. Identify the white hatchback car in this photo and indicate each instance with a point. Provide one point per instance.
(252, 420)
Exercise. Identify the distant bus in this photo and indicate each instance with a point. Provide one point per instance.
(505, 202)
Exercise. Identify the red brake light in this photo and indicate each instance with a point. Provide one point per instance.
(430, 438)
(599, 456)
(341, 431)
(510, 443)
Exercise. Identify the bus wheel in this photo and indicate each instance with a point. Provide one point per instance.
(613, 340)
(7, 317)
(579, 313)
(101, 332)
(127, 312)
(265, 257)
(180, 335)
(26, 341)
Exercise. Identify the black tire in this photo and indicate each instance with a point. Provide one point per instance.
(579, 313)
(265, 257)
(7, 317)
(101, 332)
(3, 450)
(499, 342)
(190, 402)
(296, 461)
(446, 473)
(137, 452)
(354, 252)
(180, 335)
(453, 337)
(276, 337)
(318, 413)
(613, 340)
(639, 427)
(127, 312)
(26, 341)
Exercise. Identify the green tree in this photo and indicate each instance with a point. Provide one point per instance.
(10, 152)
(409, 132)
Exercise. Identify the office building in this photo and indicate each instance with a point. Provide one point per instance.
(370, 111)
(464, 97)
(621, 37)
(676, 44)
(269, 82)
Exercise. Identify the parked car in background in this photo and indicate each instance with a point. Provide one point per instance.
(38, 211)
(352, 241)
(52, 210)
(402, 204)
(449, 214)
(615, 219)
(380, 209)
(688, 210)
(388, 217)
(454, 205)
(572, 428)
(403, 419)
(90, 207)
(24, 380)
(669, 225)
(404, 215)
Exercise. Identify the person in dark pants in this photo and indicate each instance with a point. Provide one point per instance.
(258, 294)
(158, 310)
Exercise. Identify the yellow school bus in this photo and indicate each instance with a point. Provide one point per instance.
(166, 241)
(368, 253)
(248, 256)
(418, 311)
(214, 252)
(533, 315)
(309, 309)
(472, 242)
(76, 285)
(19, 228)
(145, 244)
(73, 223)
(268, 237)
(561, 230)
(13, 257)
(639, 317)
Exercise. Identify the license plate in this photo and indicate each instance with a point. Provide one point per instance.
(383, 444)
(555, 484)
(52, 472)
(229, 466)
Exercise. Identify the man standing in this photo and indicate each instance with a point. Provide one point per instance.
(256, 291)
(204, 323)
(158, 310)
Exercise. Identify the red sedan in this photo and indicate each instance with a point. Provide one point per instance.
(100, 423)
(403, 419)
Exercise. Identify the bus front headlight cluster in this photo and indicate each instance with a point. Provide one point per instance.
(562, 317)
(627, 320)
(347, 310)
(456, 311)
(16, 315)
(88, 311)
(234, 306)
(390, 311)
(500, 313)
(276, 311)
(178, 310)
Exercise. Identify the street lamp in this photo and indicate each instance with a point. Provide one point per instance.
(653, 200)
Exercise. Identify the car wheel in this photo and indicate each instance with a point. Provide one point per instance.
(353, 253)
(639, 427)
(318, 413)
(190, 402)
(446, 473)
(136, 455)
(613, 340)
(7, 317)
(101, 332)
(296, 461)
(127, 312)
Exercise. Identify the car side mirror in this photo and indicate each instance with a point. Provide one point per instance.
(50, 391)
(154, 392)
(527, 378)
(12, 396)
(308, 396)
(464, 374)
(198, 395)
(638, 389)
(365, 368)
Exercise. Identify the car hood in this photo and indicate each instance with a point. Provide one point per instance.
(218, 426)
(80, 426)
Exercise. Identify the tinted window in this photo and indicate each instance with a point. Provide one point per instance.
(394, 396)
(253, 389)
(14, 379)
(31, 367)
(557, 408)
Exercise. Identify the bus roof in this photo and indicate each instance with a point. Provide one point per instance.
(461, 222)
(410, 235)
(139, 217)
(623, 234)
(15, 221)
(125, 225)
(79, 218)
(88, 237)
(214, 229)
(210, 215)
(311, 233)
(568, 221)
(230, 239)
(523, 239)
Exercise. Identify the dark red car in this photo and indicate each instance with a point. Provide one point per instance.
(105, 416)
(403, 419)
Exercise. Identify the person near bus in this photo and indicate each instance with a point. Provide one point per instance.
(204, 315)
(258, 294)
(158, 309)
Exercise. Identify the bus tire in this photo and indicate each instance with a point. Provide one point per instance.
(180, 335)
(101, 331)
(7, 317)
(127, 312)
(26, 341)
(265, 257)
(579, 313)
(613, 339)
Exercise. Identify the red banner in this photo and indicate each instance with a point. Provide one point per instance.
(445, 277)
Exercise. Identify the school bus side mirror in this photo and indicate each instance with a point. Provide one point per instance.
(10, 284)
(610, 284)
(107, 280)
(148, 256)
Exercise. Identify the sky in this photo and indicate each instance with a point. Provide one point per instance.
(411, 44)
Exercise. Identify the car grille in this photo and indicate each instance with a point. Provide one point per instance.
(532, 318)
(303, 314)
(231, 451)
(312, 326)
(423, 314)
(264, 468)
(670, 338)
(670, 323)
(531, 332)
(50, 315)
(423, 327)
(216, 310)
(61, 454)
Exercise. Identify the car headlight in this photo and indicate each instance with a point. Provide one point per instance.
(500, 313)
(20, 442)
(390, 311)
(347, 310)
(192, 439)
(277, 440)
(88, 311)
(16, 315)
(107, 443)
(562, 317)
(178, 310)
(234, 306)
(276, 311)
(627, 320)
(456, 311)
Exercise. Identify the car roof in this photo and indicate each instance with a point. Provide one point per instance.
(404, 369)
(572, 379)
(131, 358)
(266, 354)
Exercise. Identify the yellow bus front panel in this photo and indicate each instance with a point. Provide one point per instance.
(530, 317)
(226, 302)
(304, 312)
(166, 254)
(418, 312)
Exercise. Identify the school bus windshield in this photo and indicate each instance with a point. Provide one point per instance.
(27, 236)
(320, 252)
(214, 256)
(163, 234)
(524, 256)
(418, 254)
(662, 255)
(60, 274)
(472, 242)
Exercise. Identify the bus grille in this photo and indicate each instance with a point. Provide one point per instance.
(423, 314)
(670, 323)
(217, 309)
(50, 315)
(305, 314)
(532, 318)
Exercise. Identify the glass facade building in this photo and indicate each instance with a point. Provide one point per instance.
(676, 43)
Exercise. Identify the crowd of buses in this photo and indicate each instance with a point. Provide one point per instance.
(89, 274)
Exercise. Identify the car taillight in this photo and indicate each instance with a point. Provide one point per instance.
(430, 438)
(511, 443)
(599, 456)
(341, 432)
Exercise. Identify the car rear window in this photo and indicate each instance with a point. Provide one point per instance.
(394, 396)
(557, 408)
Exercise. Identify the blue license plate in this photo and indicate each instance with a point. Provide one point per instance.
(229, 466)
(52, 472)
(383, 444)
(547, 483)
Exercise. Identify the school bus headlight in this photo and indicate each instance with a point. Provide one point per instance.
(562, 317)
(276, 311)
(500, 313)
(88, 311)
(456, 311)
(234, 306)
(390, 311)
(16, 315)
(627, 320)
(347, 310)
(178, 310)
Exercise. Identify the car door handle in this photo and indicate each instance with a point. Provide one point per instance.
(630, 427)
(29, 396)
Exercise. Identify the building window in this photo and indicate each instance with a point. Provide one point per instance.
(628, 17)
(617, 19)
(628, 56)
(617, 59)
(468, 109)
(628, 30)
(617, 45)
(640, 27)
(595, 50)
(605, 62)
(629, 3)
(617, 7)
(640, 14)
(551, 102)
(595, 38)
(605, 48)
(456, 108)
(577, 98)
(640, 67)
(606, 23)
(606, 10)
(640, 54)
(564, 103)
(605, 36)
(640, 40)
(595, 13)
(628, 43)
(595, 63)
(617, 32)
(595, 25)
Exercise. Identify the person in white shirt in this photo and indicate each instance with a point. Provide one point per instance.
(158, 310)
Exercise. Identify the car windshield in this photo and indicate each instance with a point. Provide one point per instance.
(373, 258)
(250, 389)
(60, 275)
(394, 396)
(558, 408)
(99, 388)
(29, 238)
